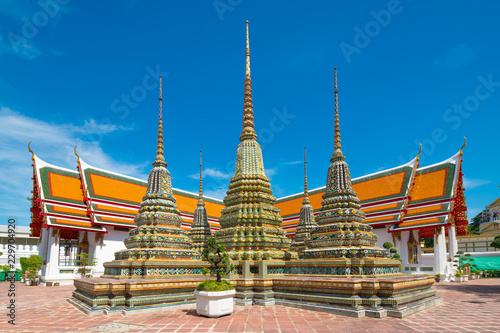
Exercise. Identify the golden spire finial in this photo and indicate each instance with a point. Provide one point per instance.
(247, 54)
(248, 131)
(418, 154)
(337, 145)
(159, 146)
(306, 192)
(77, 156)
(31, 151)
(200, 194)
(465, 144)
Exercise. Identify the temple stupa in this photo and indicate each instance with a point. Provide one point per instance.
(307, 222)
(341, 232)
(200, 228)
(250, 223)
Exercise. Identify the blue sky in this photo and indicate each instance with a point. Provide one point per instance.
(84, 73)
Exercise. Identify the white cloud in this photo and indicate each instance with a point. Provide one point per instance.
(54, 144)
(295, 162)
(16, 44)
(218, 193)
(270, 172)
(92, 127)
(211, 172)
(457, 57)
(472, 212)
(473, 183)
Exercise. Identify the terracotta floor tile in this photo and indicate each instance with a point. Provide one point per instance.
(44, 309)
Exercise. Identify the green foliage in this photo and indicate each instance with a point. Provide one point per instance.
(85, 260)
(437, 275)
(428, 242)
(5, 268)
(34, 263)
(211, 285)
(387, 245)
(24, 264)
(463, 261)
(496, 242)
(393, 252)
(215, 254)
(475, 223)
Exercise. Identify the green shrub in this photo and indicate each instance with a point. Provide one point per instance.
(24, 264)
(387, 245)
(211, 285)
(34, 262)
(5, 268)
(216, 255)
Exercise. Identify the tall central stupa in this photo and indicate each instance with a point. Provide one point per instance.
(250, 223)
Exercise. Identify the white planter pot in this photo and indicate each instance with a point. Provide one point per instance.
(28, 282)
(214, 303)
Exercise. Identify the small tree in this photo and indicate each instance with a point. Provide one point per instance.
(34, 263)
(476, 223)
(85, 260)
(393, 252)
(24, 264)
(496, 242)
(217, 257)
(463, 262)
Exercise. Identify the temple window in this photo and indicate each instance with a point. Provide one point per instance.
(412, 249)
(67, 252)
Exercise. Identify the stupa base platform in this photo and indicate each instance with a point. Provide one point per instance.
(355, 296)
(131, 296)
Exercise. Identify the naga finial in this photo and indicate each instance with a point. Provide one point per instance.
(77, 156)
(465, 144)
(31, 151)
(418, 154)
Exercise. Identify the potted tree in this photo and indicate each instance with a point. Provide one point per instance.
(214, 298)
(34, 264)
(437, 277)
(85, 260)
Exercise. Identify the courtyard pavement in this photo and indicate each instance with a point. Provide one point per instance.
(472, 306)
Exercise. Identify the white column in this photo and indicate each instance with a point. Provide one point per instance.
(52, 270)
(440, 252)
(452, 242)
(403, 248)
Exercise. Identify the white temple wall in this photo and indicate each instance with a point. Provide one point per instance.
(383, 236)
(23, 245)
(113, 242)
